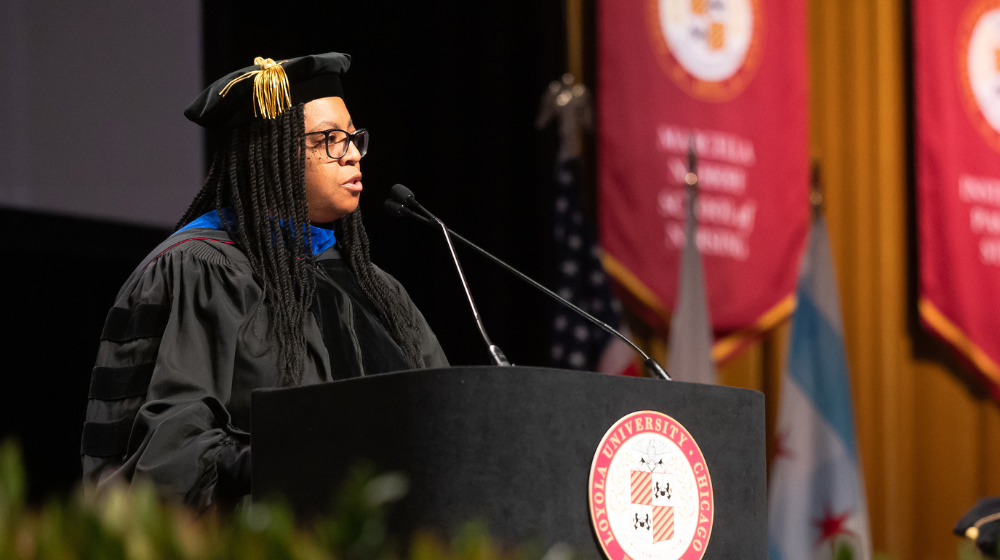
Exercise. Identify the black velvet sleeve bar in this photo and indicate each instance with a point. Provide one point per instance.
(181, 433)
(183, 348)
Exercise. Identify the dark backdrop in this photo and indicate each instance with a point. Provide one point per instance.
(449, 90)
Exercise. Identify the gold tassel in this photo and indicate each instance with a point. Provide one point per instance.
(270, 88)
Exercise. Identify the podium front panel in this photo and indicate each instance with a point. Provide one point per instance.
(510, 446)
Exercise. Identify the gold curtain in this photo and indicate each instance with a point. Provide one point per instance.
(929, 440)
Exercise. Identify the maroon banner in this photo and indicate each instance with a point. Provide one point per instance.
(957, 72)
(731, 74)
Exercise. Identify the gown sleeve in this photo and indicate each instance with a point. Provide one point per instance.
(181, 436)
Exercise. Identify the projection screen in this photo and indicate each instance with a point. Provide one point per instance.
(92, 96)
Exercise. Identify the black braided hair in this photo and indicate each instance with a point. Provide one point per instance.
(397, 317)
(259, 173)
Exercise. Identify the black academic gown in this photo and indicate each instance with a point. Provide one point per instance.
(184, 346)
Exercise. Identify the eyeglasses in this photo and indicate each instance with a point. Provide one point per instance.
(339, 141)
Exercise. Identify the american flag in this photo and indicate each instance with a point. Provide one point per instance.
(578, 343)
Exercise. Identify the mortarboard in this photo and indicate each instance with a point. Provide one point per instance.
(267, 88)
(982, 525)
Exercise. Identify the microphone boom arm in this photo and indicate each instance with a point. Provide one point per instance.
(652, 366)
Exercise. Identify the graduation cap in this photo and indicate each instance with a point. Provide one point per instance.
(982, 525)
(267, 89)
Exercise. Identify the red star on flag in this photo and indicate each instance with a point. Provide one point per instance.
(832, 525)
(781, 449)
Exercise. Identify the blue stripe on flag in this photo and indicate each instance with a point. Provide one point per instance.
(817, 363)
(773, 553)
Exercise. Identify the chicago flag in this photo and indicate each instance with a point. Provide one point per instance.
(817, 507)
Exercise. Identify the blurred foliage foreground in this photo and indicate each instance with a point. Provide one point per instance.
(133, 524)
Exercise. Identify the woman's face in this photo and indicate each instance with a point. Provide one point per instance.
(333, 186)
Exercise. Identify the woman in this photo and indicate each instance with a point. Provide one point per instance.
(255, 289)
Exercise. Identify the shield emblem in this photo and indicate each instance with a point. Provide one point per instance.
(652, 512)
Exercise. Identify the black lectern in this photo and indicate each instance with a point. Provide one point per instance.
(511, 446)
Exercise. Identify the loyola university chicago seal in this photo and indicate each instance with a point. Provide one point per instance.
(650, 491)
(710, 48)
(979, 67)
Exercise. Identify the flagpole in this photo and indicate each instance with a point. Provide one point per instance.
(816, 190)
(574, 38)
(692, 177)
(690, 338)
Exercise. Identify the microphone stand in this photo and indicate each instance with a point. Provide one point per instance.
(397, 209)
(496, 354)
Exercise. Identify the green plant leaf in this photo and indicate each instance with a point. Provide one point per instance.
(133, 523)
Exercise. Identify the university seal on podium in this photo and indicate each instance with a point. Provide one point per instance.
(650, 491)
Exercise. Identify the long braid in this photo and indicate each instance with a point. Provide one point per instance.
(232, 179)
(204, 199)
(397, 317)
(280, 135)
(260, 175)
(285, 239)
(280, 221)
(252, 174)
(238, 145)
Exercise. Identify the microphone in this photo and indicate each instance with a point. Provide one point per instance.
(395, 207)
(403, 196)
